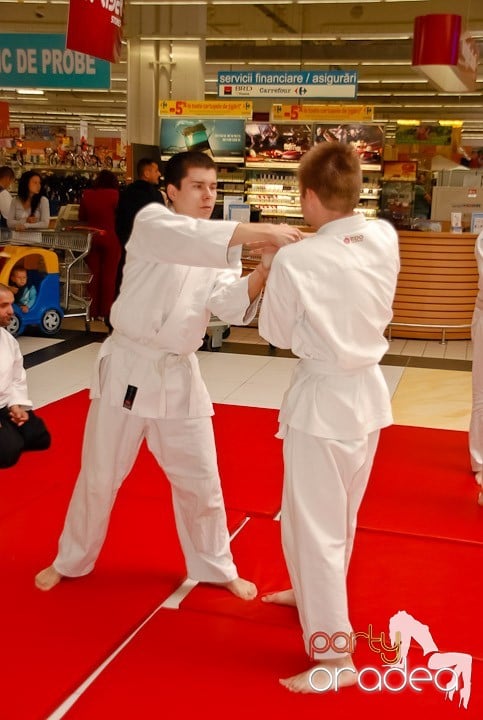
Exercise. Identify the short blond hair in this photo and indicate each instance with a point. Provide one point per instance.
(333, 172)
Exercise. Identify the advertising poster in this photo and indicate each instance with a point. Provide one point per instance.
(48, 133)
(221, 138)
(368, 140)
(396, 170)
(424, 135)
(267, 142)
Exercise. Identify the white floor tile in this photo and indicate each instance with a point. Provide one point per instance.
(31, 344)
(392, 375)
(62, 376)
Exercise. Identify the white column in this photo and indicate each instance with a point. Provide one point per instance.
(168, 68)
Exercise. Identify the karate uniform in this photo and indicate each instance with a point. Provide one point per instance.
(329, 298)
(32, 435)
(476, 422)
(147, 384)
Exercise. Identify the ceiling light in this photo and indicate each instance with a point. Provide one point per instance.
(408, 122)
(30, 91)
(451, 123)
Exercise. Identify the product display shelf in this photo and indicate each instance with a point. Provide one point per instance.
(275, 193)
(370, 198)
(231, 181)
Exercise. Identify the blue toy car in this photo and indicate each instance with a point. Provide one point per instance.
(42, 268)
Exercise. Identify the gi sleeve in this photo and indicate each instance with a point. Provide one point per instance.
(278, 310)
(160, 235)
(18, 393)
(229, 299)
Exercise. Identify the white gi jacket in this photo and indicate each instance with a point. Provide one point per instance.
(161, 314)
(329, 298)
(13, 379)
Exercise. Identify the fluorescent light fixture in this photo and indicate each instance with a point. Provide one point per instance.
(332, 2)
(249, 2)
(385, 62)
(413, 93)
(381, 36)
(29, 91)
(451, 123)
(408, 122)
(167, 4)
(412, 80)
(167, 38)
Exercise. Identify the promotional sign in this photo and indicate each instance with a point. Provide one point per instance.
(4, 115)
(396, 170)
(367, 140)
(313, 113)
(444, 53)
(95, 28)
(206, 108)
(280, 83)
(42, 61)
(269, 142)
(46, 133)
(423, 135)
(222, 139)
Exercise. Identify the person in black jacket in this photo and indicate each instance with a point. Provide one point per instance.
(139, 193)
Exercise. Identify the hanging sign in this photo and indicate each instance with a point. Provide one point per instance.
(313, 113)
(41, 61)
(95, 28)
(206, 108)
(295, 83)
(4, 118)
(444, 53)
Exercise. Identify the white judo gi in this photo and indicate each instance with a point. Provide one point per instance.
(476, 422)
(329, 298)
(147, 384)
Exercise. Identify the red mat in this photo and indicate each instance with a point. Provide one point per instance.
(438, 582)
(421, 483)
(39, 472)
(183, 666)
(54, 640)
(249, 458)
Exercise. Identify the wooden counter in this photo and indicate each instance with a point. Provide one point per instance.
(437, 285)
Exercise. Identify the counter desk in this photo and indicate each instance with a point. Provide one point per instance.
(437, 286)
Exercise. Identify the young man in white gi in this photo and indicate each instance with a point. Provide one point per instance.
(20, 428)
(329, 299)
(148, 384)
(476, 422)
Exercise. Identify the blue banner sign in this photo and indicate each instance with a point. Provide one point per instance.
(292, 83)
(42, 61)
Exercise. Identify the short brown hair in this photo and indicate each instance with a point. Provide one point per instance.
(333, 171)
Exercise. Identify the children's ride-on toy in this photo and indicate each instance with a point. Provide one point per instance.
(42, 268)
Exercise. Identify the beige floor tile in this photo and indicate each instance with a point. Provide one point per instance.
(414, 348)
(396, 346)
(456, 350)
(435, 349)
(433, 398)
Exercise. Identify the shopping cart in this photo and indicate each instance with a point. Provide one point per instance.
(54, 259)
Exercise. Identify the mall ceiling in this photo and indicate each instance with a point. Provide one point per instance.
(372, 36)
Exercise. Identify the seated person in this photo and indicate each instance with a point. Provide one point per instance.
(20, 428)
(25, 295)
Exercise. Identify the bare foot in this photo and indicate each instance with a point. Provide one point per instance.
(241, 588)
(47, 578)
(328, 675)
(284, 597)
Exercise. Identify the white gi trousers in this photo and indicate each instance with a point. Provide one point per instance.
(185, 449)
(476, 422)
(324, 483)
